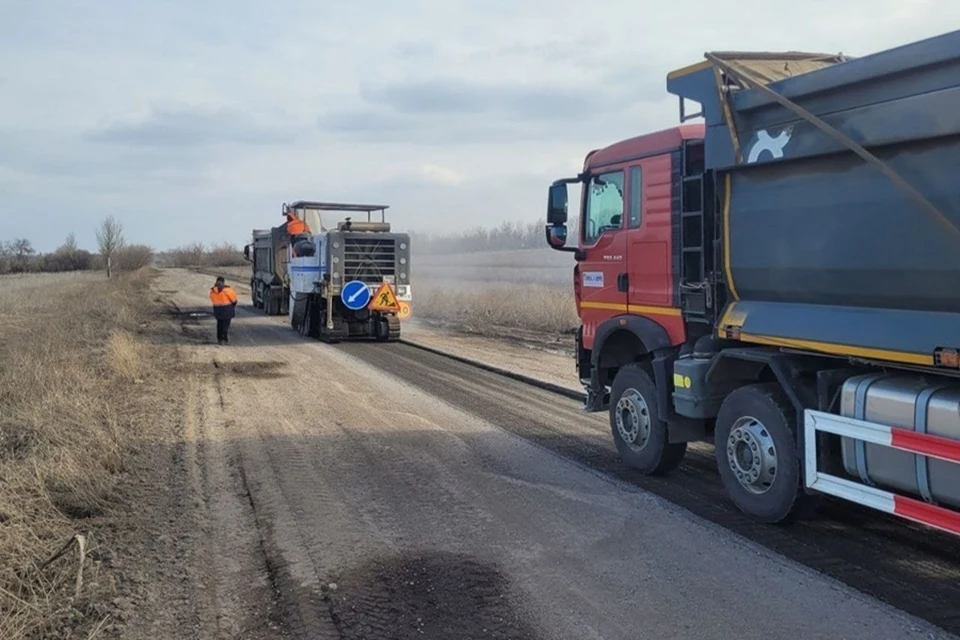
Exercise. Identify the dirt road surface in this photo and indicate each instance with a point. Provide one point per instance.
(335, 500)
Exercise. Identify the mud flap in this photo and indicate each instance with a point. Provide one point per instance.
(598, 396)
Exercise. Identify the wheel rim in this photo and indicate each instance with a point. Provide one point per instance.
(752, 455)
(633, 419)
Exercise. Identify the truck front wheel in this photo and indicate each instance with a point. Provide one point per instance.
(757, 453)
(641, 437)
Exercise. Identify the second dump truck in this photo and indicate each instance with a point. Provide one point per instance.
(784, 279)
(333, 283)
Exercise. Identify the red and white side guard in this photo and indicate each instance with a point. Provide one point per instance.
(896, 438)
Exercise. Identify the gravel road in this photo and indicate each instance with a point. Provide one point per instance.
(367, 507)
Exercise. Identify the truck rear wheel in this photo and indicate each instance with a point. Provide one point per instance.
(387, 329)
(311, 319)
(640, 436)
(339, 332)
(756, 452)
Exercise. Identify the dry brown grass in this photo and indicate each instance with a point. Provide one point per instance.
(478, 307)
(489, 291)
(72, 411)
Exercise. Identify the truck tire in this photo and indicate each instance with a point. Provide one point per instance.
(641, 438)
(340, 331)
(308, 326)
(756, 451)
(388, 329)
(273, 303)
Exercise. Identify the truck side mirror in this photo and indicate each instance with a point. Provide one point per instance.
(246, 253)
(557, 205)
(557, 236)
(556, 228)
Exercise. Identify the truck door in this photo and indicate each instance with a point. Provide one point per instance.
(648, 243)
(603, 270)
(649, 233)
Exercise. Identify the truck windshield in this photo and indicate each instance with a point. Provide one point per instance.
(604, 206)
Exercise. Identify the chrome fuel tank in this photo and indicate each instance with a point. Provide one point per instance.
(906, 402)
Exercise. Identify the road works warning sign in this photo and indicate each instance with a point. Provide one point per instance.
(385, 299)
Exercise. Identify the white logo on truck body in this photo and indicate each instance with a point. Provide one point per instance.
(593, 279)
(766, 143)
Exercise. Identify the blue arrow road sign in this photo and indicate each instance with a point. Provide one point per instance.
(355, 295)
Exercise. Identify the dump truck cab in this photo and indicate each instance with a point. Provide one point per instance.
(628, 247)
(644, 250)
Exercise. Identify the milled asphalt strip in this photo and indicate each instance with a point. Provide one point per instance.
(540, 384)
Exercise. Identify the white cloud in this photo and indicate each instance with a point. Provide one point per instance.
(440, 175)
(194, 120)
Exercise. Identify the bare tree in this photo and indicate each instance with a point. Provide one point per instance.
(21, 250)
(110, 238)
(69, 245)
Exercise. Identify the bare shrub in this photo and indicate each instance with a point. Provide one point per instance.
(189, 255)
(132, 257)
(197, 255)
(65, 260)
(224, 255)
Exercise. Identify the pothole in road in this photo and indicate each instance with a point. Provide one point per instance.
(190, 315)
(429, 595)
(254, 369)
(261, 369)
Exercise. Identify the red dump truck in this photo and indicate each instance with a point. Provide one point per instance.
(784, 279)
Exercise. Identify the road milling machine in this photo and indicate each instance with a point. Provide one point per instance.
(351, 280)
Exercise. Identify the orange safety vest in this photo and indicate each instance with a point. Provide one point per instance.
(223, 298)
(296, 226)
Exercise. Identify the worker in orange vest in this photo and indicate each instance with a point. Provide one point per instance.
(224, 308)
(295, 225)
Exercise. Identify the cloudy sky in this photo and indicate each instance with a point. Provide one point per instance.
(195, 119)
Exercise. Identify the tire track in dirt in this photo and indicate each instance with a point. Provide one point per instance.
(240, 585)
(286, 537)
(316, 484)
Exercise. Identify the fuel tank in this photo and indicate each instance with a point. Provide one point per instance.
(907, 402)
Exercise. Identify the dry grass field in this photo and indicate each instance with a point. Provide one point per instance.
(528, 266)
(492, 308)
(489, 292)
(79, 390)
